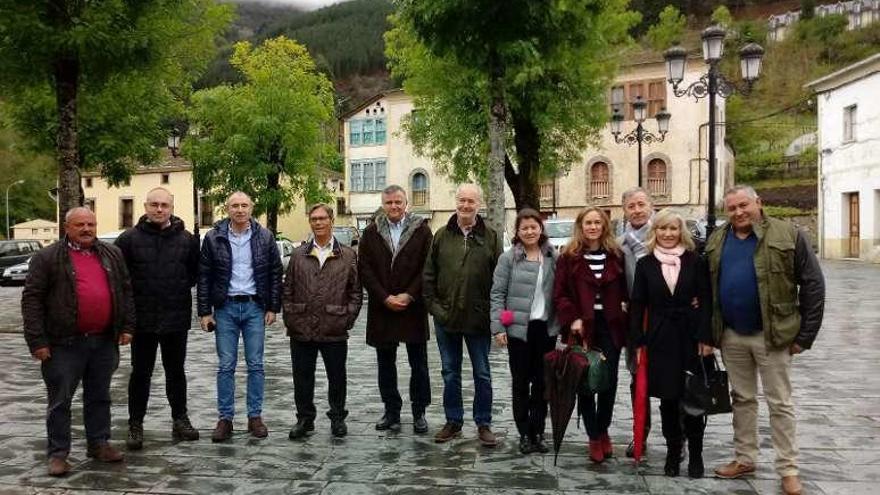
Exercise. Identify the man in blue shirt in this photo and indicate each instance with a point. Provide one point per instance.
(239, 293)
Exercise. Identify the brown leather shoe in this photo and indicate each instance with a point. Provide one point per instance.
(257, 428)
(58, 466)
(222, 432)
(487, 438)
(448, 432)
(733, 470)
(105, 452)
(791, 485)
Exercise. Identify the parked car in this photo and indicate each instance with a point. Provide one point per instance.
(14, 251)
(15, 274)
(346, 235)
(285, 249)
(558, 231)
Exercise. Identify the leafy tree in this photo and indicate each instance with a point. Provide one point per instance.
(535, 72)
(669, 30)
(722, 16)
(95, 81)
(269, 135)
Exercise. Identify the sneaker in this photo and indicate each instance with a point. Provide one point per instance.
(449, 431)
(338, 428)
(257, 428)
(733, 470)
(58, 466)
(486, 437)
(104, 452)
(301, 429)
(182, 429)
(222, 432)
(420, 424)
(135, 440)
(388, 422)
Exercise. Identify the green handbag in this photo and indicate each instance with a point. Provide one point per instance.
(597, 379)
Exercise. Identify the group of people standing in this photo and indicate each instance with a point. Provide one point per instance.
(757, 294)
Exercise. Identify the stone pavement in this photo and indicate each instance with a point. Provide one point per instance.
(837, 388)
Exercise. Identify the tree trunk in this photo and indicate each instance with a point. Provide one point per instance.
(70, 193)
(497, 152)
(528, 147)
(272, 184)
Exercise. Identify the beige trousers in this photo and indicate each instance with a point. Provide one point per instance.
(747, 357)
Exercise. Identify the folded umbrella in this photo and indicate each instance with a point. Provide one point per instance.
(563, 371)
(640, 405)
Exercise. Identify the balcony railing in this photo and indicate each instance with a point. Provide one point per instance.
(420, 198)
(600, 189)
(658, 187)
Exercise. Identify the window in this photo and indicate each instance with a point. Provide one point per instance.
(127, 182)
(599, 184)
(653, 92)
(368, 175)
(166, 178)
(340, 206)
(419, 189)
(126, 213)
(88, 182)
(367, 132)
(34, 231)
(657, 183)
(206, 211)
(849, 123)
(90, 204)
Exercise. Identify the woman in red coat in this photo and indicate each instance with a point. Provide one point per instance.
(590, 293)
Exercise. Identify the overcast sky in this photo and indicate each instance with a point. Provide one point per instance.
(304, 4)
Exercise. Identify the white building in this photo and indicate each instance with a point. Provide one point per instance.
(41, 230)
(675, 171)
(849, 161)
(859, 13)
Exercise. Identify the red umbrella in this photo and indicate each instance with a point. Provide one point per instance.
(640, 404)
(563, 372)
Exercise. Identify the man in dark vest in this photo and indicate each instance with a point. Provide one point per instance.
(77, 308)
(163, 260)
(391, 258)
(769, 297)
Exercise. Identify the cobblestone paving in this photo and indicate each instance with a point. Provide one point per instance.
(837, 388)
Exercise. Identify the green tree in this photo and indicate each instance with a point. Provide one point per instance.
(668, 30)
(269, 135)
(535, 72)
(722, 16)
(96, 82)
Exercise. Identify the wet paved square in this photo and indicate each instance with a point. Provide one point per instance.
(836, 384)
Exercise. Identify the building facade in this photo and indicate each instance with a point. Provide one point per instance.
(41, 230)
(859, 13)
(849, 161)
(377, 153)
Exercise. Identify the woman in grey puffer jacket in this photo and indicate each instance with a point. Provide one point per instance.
(522, 318)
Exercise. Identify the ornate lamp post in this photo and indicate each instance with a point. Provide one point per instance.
(713, 84)
(639, 135)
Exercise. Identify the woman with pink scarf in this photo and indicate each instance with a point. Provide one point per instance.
(672, 286)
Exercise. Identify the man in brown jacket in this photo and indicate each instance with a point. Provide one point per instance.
(77, 307)
(391, 257)
(321, 300)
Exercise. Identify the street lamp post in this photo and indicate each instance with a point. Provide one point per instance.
(713, 84)
(640, 135)
(19, 181)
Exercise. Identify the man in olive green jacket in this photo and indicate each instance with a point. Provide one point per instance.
(457, 280)
(769, 296)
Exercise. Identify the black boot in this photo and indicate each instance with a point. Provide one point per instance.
(673, 457)
(695, 457)
(525, 445)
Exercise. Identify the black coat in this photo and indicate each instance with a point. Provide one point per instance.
(674, 326)
(215, 268)
(163, 265)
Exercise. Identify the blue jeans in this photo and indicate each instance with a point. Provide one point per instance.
(234, 319)
(450, 345)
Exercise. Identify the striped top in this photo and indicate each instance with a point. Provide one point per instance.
(596, 262)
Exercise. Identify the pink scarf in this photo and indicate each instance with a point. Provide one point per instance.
(670, 264)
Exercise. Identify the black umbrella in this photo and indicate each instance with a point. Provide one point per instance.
(563, 371)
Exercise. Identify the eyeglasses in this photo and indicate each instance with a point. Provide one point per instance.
(318, 219)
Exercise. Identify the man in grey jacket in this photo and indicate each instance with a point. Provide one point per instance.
(638, 212)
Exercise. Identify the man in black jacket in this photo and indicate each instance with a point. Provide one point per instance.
(77, 308)
(239, 293)
(162, 259)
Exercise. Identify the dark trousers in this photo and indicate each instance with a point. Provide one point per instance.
(597, 409)
(419, 380)
(92, 360)
(673, 418)
(143, 361)
(304, 356)
(526, 360)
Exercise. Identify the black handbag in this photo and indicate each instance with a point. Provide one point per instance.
(706, 392)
